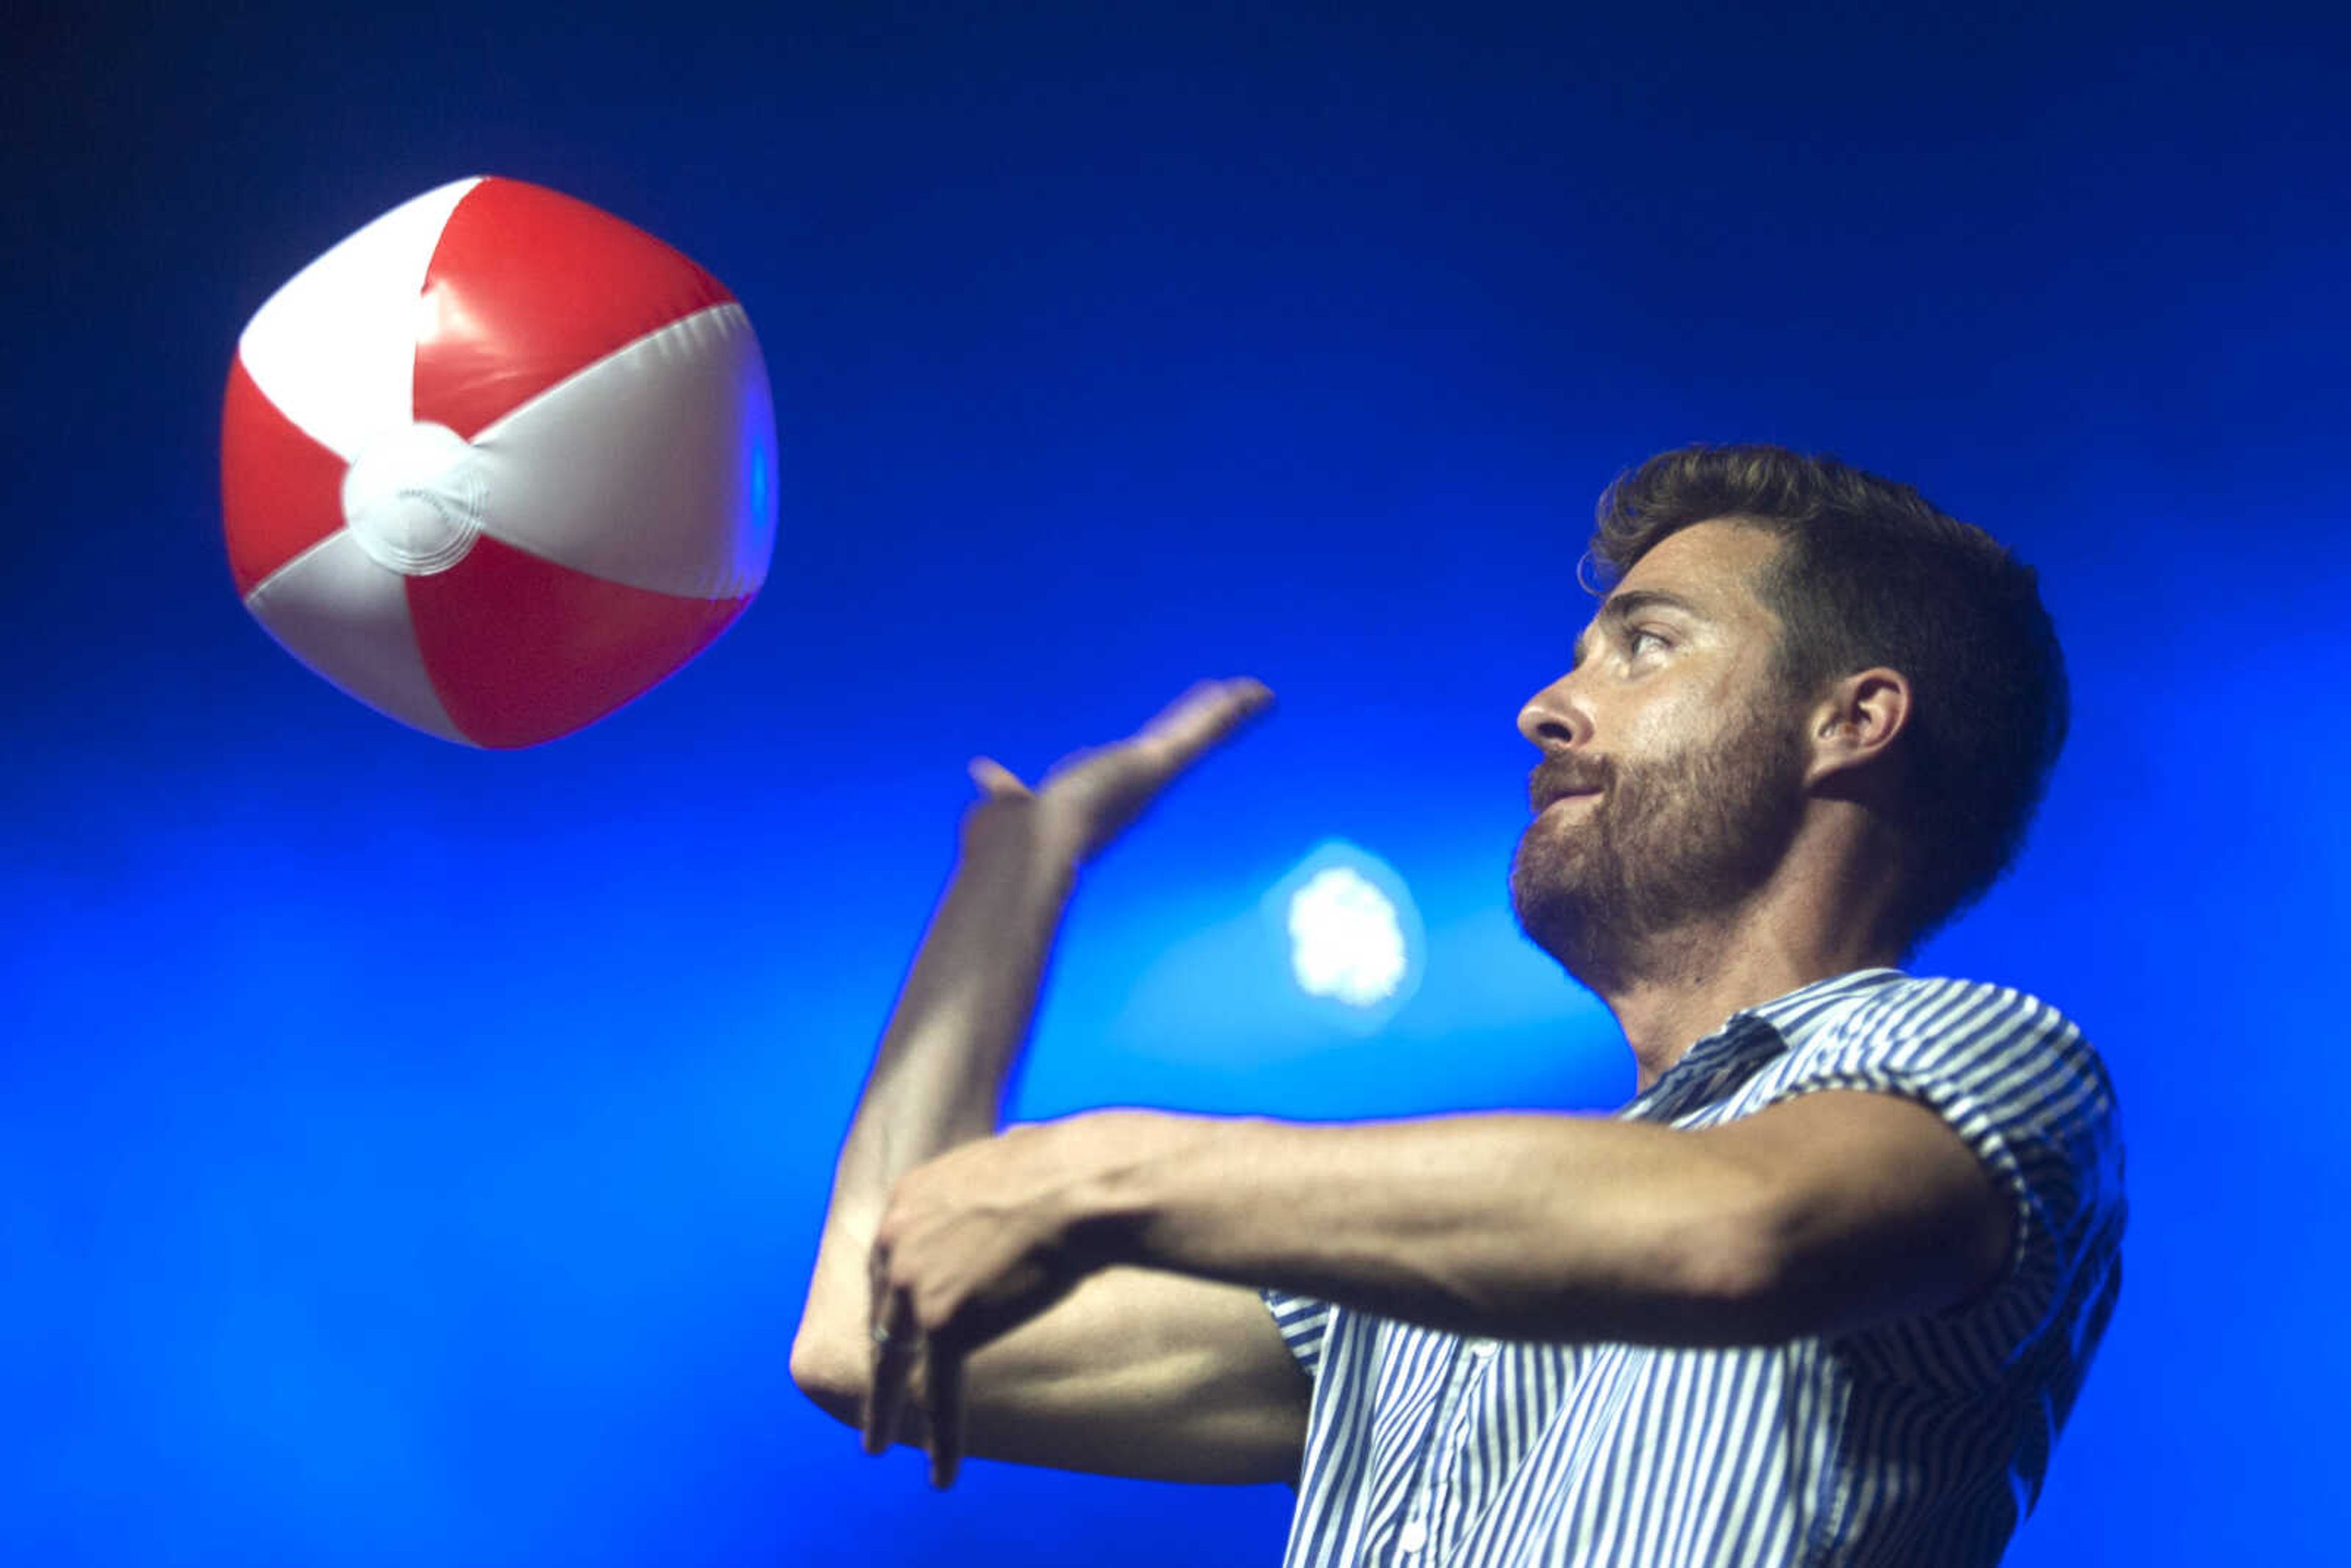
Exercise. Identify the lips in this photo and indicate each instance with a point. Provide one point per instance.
(1564, 778)
(1547, 798)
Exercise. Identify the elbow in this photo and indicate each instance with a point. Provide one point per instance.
(828, 1377)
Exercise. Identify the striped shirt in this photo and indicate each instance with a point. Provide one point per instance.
(1921, 1441)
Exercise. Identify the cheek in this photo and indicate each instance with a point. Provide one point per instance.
(1667, 720)
(1701, 702)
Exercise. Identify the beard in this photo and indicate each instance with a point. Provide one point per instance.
(1665, 843)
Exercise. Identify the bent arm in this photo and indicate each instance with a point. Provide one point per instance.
(939, 1077)
(1818, 1215)
(1135, 1372)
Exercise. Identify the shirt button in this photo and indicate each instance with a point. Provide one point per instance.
(1481, 1347)
(1413, 1536)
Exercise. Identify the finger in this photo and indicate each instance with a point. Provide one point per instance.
(1204, 716)
(943, 1379)
(996, 779)
(893, 1354)
(877, 1314)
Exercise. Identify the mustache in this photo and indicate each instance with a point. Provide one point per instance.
(1556, 777)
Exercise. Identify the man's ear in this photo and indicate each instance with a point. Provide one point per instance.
(1856, 720)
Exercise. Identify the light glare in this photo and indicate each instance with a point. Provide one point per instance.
(1345, 939)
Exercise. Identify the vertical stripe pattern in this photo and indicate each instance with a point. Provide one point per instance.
(1920, 1442)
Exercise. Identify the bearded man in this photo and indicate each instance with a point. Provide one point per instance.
(1823, 1294)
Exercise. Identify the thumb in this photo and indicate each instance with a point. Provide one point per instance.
(995, 780)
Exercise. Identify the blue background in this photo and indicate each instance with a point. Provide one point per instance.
(414, 1154)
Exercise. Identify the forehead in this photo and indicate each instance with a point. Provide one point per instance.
(1713, 568)
(1717, 566)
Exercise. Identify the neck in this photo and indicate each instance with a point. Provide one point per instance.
(1674, 987)
(1684, 995)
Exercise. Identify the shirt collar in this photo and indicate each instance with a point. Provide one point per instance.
(1747, 1039)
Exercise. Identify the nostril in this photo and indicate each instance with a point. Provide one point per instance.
(1548, 730)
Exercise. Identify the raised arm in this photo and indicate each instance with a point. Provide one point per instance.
(1133, 1372)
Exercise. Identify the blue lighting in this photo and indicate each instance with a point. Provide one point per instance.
(759, 489)
(410, 1155)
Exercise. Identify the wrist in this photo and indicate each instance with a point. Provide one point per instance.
(1142, 1178)
(1012, 834)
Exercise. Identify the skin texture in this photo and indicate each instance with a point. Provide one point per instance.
(1690, 806)
(1706, 841)
(1733, 851)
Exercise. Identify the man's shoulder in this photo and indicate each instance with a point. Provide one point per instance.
(2001, 1038)
(1889, 1006)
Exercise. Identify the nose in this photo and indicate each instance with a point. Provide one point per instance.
(1553, 718)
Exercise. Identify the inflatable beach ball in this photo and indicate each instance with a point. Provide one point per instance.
(498, 463)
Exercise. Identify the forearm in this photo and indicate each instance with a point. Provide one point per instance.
(940, 1074)
(1512, 1226)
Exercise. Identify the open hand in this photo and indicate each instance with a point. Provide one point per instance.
(1090, 797)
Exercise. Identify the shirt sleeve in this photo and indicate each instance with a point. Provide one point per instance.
(1303, 1322)
(2018, 1083)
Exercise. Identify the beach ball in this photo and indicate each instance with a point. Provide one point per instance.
(498, 463)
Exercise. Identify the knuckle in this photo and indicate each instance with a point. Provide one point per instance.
(934, 1312)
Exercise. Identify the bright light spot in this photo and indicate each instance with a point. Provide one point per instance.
(442, 316)
(1356, 944)
(1345, 939)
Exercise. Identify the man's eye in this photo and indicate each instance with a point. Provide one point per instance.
(1634, 638)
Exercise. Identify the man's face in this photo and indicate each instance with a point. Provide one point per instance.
(1673, 770)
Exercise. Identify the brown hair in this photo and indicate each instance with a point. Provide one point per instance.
(1868, 572)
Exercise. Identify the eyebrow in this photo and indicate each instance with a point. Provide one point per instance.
(1622, 607)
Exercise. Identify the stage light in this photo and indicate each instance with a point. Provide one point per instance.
(1344, 941)
(1355, 938)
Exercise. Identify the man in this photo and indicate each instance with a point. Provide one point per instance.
(1823, 1294)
